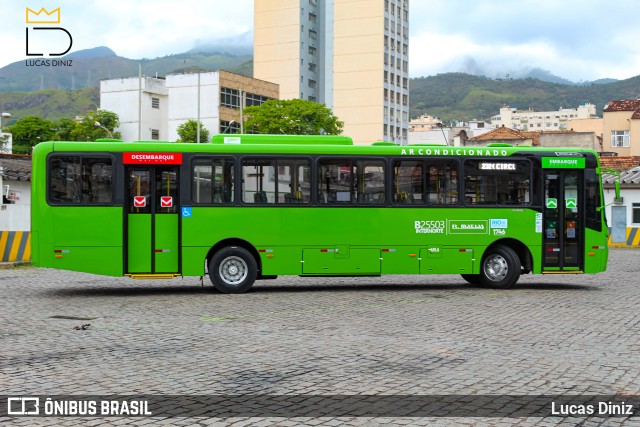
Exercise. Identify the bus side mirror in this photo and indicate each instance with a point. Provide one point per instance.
(617, 189)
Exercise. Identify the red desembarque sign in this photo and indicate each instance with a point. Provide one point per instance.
(152, 158)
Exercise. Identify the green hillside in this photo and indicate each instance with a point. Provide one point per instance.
(457, 96)
(49, 104)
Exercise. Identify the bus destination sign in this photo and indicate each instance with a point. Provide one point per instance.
(152, 158)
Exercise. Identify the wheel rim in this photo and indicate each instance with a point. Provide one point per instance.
(233, 270)
(495, 267)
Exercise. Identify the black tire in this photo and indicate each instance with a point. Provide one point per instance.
(500, 267)
(233, 270)
(472, 279)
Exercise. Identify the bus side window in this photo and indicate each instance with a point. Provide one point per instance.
(334, 181)
(442, 178)
(258, 181)
(212, 181)
(593, 216)
(370, 182)
(497, 182)
(408, 182)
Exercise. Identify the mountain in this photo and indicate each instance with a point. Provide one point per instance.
(96, 52)
(458, 96)
(502, 71)
(66, 91)
(85, 68)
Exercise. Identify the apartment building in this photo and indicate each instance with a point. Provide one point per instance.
(529, 120)
(152, 108)
(351, 55)
(621, 127)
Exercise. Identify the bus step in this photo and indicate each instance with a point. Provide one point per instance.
(563, 272)
(152, 276)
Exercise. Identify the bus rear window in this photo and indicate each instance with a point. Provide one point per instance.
(80, 180)
(497, 182)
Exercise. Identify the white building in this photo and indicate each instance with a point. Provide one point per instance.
(623, 215)
(529, 120)
(428, 129)
(153, 108)
(15, 207)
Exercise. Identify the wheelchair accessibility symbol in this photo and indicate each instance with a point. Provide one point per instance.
(186, 212)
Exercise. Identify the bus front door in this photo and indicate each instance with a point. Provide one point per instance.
(563, 221)
(152, 222)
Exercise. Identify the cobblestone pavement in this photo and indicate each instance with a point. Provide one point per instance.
(395, 335)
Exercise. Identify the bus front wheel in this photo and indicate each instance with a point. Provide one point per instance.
(500, 267)
(233, 270)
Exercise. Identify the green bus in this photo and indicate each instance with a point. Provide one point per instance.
(252, 207)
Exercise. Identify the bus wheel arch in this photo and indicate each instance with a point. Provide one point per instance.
(523, 252)
(503, 262)
(233, 265)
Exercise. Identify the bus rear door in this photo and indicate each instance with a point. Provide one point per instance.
(152, 220)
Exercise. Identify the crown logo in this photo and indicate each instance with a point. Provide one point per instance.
(52, 17)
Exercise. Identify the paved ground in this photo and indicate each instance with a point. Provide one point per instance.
(396, 335)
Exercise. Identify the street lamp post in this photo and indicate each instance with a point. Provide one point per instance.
(109, 134)
(4, 115)
(228, 129)
(446, 140)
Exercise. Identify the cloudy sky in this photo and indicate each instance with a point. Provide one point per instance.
(580, 40)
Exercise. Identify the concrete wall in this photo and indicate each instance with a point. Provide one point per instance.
(570, 139)
(183, 101)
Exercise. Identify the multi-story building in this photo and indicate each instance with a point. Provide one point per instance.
(351, 55)
(621, 127)
(529, 120)
(153, 108)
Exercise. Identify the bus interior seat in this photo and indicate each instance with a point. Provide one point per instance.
(260, 197)
(404, 198)
(226, 194)
(293, 198)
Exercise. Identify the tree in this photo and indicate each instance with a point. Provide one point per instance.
(4, 140)
(95, 125)
(292, 116)
(29, 131)
(188, 132)
(64, 128)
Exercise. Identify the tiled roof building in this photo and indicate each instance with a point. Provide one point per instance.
(621, 127)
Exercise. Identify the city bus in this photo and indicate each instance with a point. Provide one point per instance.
(253, 207)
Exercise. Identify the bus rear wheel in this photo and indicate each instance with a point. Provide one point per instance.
(233, 270)
(500, 267)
